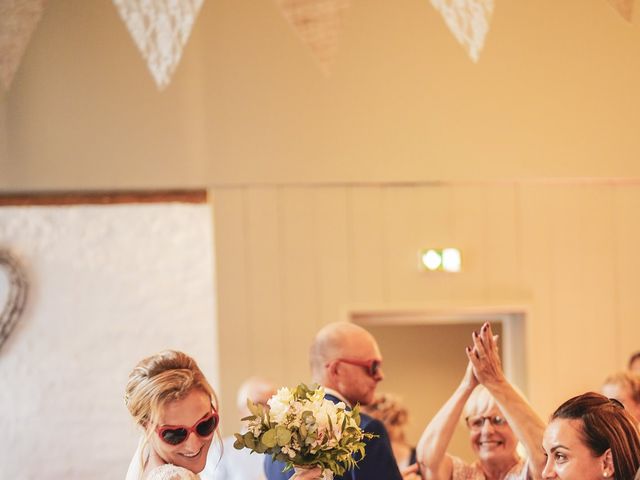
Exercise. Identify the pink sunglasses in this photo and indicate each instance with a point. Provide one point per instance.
(372, 367)
(176, 434)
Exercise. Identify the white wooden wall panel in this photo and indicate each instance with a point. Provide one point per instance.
(582, 286)
(502, 253)
(332, 240)
(367, 246)
(300, 277)
(415, 218)
(537, 246)
(627, 263)
(468, 213)
(291, 259)
(599, 271)
(264, 305)
(237, 360)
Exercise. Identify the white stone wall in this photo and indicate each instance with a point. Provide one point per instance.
(108, 286)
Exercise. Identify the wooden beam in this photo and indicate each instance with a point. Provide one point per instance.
(103, 197)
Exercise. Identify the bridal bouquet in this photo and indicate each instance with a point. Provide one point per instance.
(302, 429)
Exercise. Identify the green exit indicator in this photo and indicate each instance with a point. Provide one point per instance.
(441, 259)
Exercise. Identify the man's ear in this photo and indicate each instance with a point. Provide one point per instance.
(608, 470)
(332, 369)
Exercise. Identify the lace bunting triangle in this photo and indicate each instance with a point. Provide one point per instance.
(317, 23)
(624, 8)
(18, 20)
(160, 30)
(468, 20)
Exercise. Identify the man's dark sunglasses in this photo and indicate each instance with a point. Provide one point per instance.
(372, 367)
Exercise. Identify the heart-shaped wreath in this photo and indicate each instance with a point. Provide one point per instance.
(16, 296)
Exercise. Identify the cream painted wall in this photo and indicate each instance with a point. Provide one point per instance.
(554, 94)
(291, 259)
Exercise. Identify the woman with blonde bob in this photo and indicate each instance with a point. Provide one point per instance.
(171, 400)
(391, 411)
(624, 387)
(169, 397)
(591, 437)
(497, 416)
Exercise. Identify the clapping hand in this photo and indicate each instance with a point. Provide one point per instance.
(469, 381)
(484, 357)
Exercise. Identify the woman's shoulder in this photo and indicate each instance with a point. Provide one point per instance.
(519, 472)
(171, 472)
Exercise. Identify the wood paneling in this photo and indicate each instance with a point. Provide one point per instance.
(468, 215)
(237, 360)
(367, 246)
(291, 259)
(627, 267)
(537, 282)
(264, 285)
(299, 267)
(502, 252)
(332, 252)
(415, 218)
(102, 198)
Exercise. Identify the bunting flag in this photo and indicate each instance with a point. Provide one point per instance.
(160, 29)
(318, 24)
(18, 20)
(468, 20)
(624, 8)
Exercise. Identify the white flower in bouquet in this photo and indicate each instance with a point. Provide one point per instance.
(280, 404)
(303, 429)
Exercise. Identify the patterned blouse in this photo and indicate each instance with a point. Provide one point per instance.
(464, 471)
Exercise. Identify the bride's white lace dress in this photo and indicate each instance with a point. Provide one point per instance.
(171, 472)
(163, 472)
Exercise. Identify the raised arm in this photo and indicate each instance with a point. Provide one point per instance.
(435, 463)
(522, 419)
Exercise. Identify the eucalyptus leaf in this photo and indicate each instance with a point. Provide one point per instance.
(283, 436)
(269, 438)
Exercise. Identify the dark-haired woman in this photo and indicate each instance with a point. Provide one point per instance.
(591, 437)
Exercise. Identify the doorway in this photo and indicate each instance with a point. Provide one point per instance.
(424, 358)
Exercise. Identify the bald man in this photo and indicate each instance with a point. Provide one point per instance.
(346, 361)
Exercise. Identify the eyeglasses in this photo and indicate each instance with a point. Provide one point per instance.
(176, 434)
(372, 367)
(476, 422)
